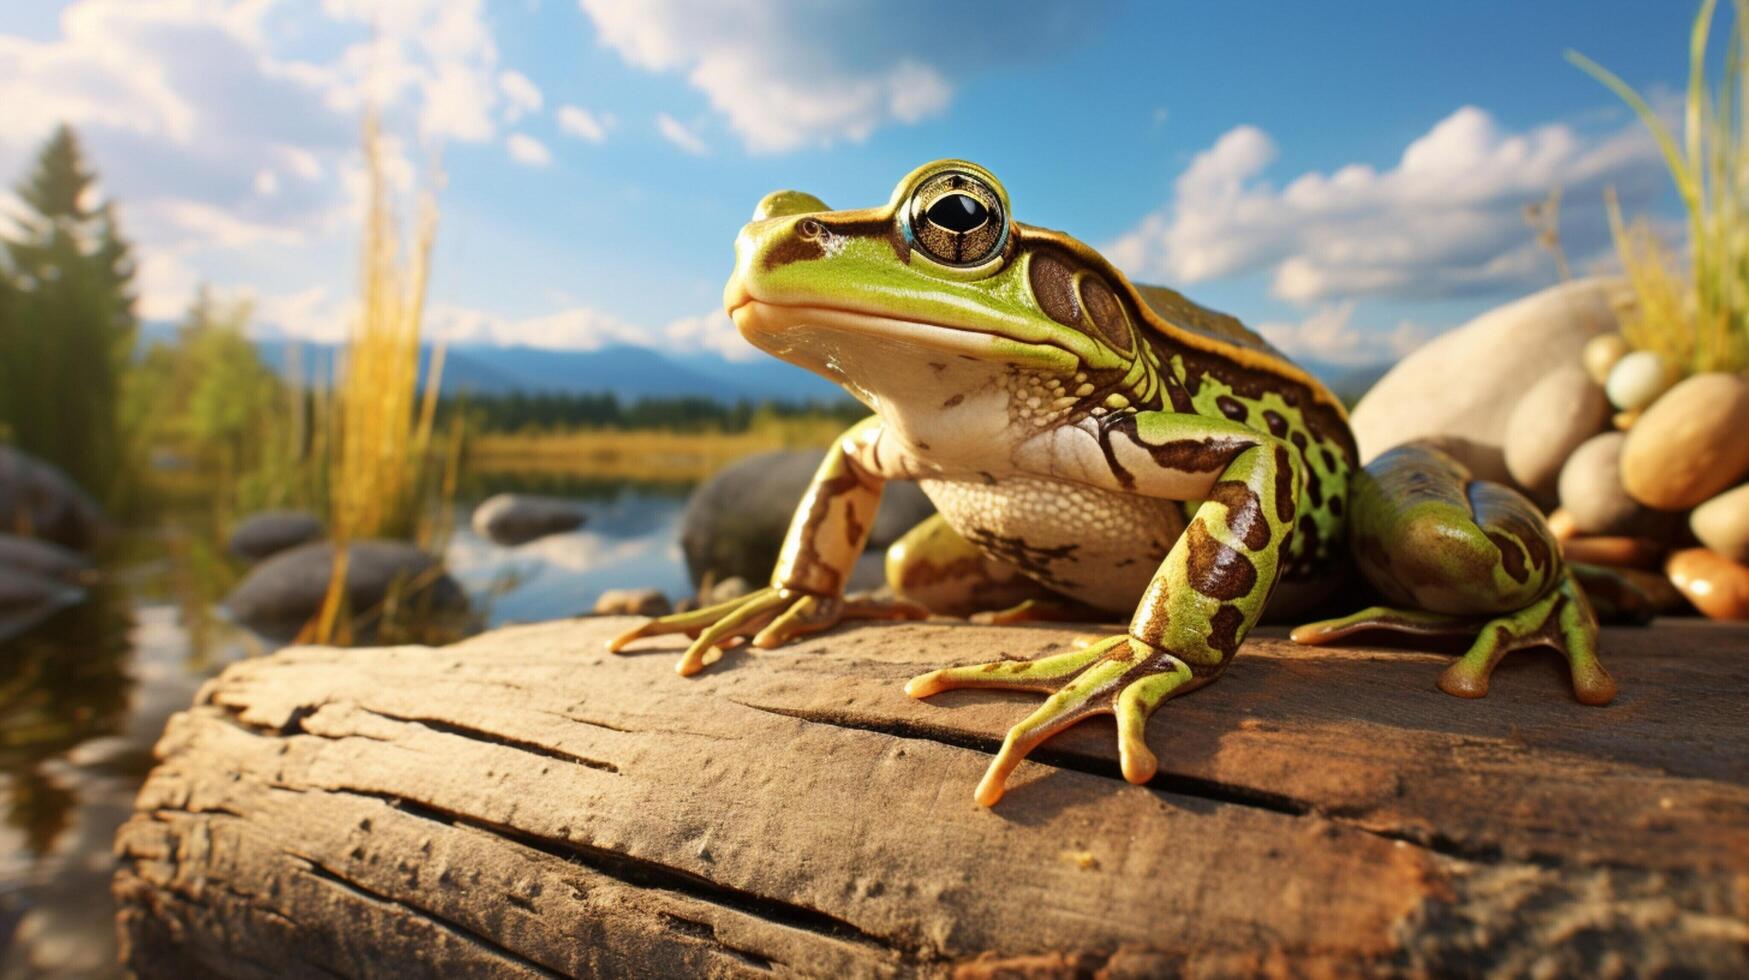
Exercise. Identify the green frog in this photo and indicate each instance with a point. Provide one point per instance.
(1096, 448)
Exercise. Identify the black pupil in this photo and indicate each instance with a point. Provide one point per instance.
(958, 213)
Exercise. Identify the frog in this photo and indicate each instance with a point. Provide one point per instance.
(1098, 449)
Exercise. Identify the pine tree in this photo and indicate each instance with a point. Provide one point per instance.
(68, 330)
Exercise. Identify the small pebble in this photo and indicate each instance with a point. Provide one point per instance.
(1601, 354)
(632, 602)
(1638, 379)
(1691, 445)
(1718, 586)
(1590, 487)
(1615, 551)
(1722, 523)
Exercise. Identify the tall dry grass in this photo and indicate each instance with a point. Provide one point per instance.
(385, 476)
(1697, 316)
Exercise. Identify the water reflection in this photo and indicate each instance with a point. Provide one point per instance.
(85, 694)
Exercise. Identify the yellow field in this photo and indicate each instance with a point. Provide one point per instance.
(642, 455)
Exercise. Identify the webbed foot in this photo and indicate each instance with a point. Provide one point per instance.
(772, 616)
(1561, 619)
(1118, 675)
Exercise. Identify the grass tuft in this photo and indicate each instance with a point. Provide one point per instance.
(1698, 317)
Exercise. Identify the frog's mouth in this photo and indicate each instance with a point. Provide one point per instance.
(819, 337)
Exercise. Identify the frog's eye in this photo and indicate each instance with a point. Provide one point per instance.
(957, 219)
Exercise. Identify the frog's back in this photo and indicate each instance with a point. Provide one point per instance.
(1190, 316)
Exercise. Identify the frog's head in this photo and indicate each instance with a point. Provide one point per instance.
(938, 287)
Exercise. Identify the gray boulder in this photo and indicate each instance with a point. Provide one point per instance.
(518, 518)
(28, 598)
(1460, 389)
(735, 522)
(44, 558)
(281, 594)
(38, 500)
(270, 532)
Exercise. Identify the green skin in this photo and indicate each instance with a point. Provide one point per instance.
(1096, 447)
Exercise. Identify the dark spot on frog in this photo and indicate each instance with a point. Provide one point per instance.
(1315, 489)
(1107, 313)
(1306, 539)
(1299, 440)
(1329, 459)
(1214, 569)
(1232, 407)
(1244, 512)
(953, 401)
(1336, 504)
(1511, 555)
(1284, 485)
(1053, 286)
(792, 249)
(1277, 424)
(1224, 629)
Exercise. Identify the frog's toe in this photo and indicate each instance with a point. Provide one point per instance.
(1118, 675)
(1562, 619)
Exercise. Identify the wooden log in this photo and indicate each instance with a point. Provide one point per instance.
(524, 804)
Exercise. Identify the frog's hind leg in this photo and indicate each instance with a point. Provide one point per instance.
(934, 566)
(1561, 619)
(1461, 557)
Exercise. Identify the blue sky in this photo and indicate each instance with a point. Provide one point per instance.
(1347, 176)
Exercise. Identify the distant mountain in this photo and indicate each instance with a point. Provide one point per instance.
(628, 372)
(1347, 381)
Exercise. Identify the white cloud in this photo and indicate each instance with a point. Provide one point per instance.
(225, 149)
(793, 73)
(521, 95)
(1329, 335)
(675, 132)
(527, 150)
(1446, 220)
(713, 332)
(583, 124)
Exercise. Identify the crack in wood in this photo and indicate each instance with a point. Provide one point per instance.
(645, 874)
(1174, 783)
(706, 932)
(494, 738)
(322, 872)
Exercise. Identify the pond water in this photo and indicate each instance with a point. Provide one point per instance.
(85, 694)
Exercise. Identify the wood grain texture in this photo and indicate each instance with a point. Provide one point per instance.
(524, 804)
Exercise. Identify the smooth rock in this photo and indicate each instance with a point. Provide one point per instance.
(37, 500)
(1590, 487)
(1722, 523)
(27, 598)
(1623, 421)
(1617, 551)
(1638, 379)
(44, 558)
(518, 518)
(1465, 383)
(733, 587)
(1716, 585)
(735, 521)
(281, 594)
(270, 532)
(1561, 411)
(1561, 524)
(632, 602)
(1691, 444)
(1601, 354)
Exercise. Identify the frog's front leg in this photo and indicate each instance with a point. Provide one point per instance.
(806, 595)
(1206, 595)
(1465, 558)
